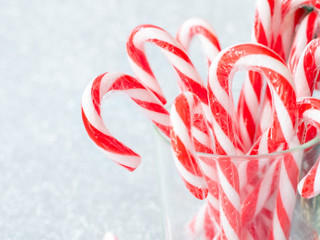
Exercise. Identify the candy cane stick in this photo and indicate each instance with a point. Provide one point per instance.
(188, 77)
(184, 112)
(307, 31)
(93, 122)
(309, 110)
(201, 28)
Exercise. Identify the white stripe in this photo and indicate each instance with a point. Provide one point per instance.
(222, 96)
(146, 33)
(261, 60)
(288, 194)
(183, 66)
(208, 170)
(312, 114)
(228, 230)
(222, 139)
(200, 136)
(107, 81)
(229, 190)
(278, 234)
(129, 161)
(251, 99)
(264, 188)
(90, 112)
(302, 87)
(194, 180)
(149, 81)
(210, 50)
(181, 130)
(142, 95)
(284, 118)
(213, 201)
(263, 145)
(263, 9)
(161, 118)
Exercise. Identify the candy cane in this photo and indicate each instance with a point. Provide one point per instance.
(252, 100)
(307, 72)
(184, 112)
(93, 122)
(261, 59)
(110, 236)
(201, 28)
(188, 77)
(309, 110)
(307, 30)
(292, 12)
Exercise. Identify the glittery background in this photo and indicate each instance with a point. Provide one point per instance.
(54, 183)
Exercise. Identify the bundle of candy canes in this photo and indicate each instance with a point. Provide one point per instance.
(275, 112)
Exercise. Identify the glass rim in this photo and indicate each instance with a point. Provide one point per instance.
(310, 143)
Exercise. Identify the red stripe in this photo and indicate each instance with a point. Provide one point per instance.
(223, 119)
(248, 121)
(292, 169)
(283, 217)
(163, 128)
(259, 31)
(230, 171)
(308, 185)
(182, 107)
(311, 26)
(257, 83)
(310, 66)
(285, 91)
(271, 5)
(125, 82)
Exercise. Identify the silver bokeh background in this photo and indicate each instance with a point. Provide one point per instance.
(54, 183)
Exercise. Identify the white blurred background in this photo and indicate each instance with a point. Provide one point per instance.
(54, 183)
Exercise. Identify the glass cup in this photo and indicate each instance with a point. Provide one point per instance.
(263, 187)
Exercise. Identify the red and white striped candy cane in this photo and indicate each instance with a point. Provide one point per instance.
(201, 28)
(188, 77)
(253, 105)
(93, 122)
(258, 58)
(292, 12)
(184, 112)
(309, 110)
(308, 68)
(307, 30)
